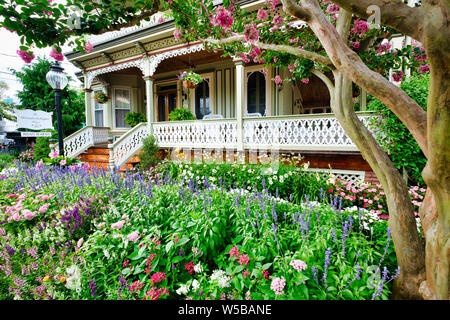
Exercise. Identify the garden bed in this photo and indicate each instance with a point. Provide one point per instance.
(70, 234)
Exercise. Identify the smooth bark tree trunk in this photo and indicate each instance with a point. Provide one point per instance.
(435, 209)
(409, 246)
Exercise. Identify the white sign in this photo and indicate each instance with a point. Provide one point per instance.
(35, 134)
(36, 120)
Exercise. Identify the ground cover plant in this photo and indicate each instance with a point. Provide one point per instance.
(68, 232)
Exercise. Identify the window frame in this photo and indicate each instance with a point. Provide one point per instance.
(114, 107)
(248, 72)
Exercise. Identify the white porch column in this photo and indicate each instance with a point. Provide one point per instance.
(87, 102)
(240, 104)
(149, 108)
(88, 106)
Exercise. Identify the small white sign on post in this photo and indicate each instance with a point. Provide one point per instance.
(28, 134)
(35, 120)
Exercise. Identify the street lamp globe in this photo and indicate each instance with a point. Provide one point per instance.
(56, 77)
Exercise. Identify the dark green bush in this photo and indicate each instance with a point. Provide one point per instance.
(181, 114)
(395, 138)
(134, 118)
(148, 156)
(41, 148)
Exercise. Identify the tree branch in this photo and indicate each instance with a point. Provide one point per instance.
(350, 64)
(292, 8)
(325, 61)
(394, 13)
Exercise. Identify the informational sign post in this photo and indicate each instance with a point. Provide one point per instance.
(29, 134)
(34, 120)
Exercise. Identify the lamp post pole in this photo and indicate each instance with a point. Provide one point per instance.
(58, 81)
(59, 122)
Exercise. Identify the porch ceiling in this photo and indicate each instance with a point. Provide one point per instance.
(190, 60)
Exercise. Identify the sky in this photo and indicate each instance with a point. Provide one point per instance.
(9, 44)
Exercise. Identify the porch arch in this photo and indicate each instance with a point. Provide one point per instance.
(139, 63)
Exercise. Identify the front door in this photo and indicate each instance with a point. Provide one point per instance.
(167, 102)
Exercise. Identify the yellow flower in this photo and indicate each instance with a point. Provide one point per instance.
(45, 278)
(62, 279)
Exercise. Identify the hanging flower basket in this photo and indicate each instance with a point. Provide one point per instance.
(190, 79)
(101, 97)
(188, 84)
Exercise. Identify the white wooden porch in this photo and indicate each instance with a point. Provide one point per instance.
(321, 132)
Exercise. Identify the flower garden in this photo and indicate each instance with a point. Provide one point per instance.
(191, 231)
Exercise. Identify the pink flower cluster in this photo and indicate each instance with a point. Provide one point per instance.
(243, 259)
(26, 56)
(417, 194)
(251, 33)
(277, 23)
(157, 277)
(223, 18)
(88, 47)
(360, 27)
(261, 15)
(55, 54)
(133, 237)
(397, 76)
(384, 47)
(278, 285)
(298, 265)
(118, 225)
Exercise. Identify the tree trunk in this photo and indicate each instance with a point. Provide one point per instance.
(435, 209)
(408, 245)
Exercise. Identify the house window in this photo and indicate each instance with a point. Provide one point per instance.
(256, 93)
(202, 99)
(122, 106)
(98, 113)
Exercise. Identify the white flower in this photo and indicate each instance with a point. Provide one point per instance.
(195, 284)
(198, 268)
(184, 289)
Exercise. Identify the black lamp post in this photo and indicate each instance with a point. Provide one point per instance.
(58, 81)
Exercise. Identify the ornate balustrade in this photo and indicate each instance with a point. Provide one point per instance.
(297, 132)
(127, 145)
(214, 133)
(83, 139)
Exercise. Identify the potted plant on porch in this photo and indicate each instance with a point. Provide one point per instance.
(190, 79)
(101, 97)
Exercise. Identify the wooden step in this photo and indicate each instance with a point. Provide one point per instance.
(98, 150)
(94, 156)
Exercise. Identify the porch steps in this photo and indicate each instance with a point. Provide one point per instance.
(98, 156)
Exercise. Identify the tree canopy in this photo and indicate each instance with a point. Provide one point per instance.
(37, 94)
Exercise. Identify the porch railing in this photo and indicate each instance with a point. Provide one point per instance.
(296, 132)
(127, 145)
(83, 139)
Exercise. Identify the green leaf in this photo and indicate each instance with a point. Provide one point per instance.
(266, 266)
(169, 246)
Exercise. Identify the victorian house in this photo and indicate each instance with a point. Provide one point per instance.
(237, 106)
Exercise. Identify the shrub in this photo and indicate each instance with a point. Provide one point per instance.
(176, 241)
(395, 138)
(181, 115)
(134, 118)
(148, 157)
(41, 148)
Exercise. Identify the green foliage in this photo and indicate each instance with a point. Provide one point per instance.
(394, 136)
(134, 118)
(41, 148)
(148, 156)
(37, 94)
(192, 76)
(283, 181)
(159, 239)
(181, 114)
